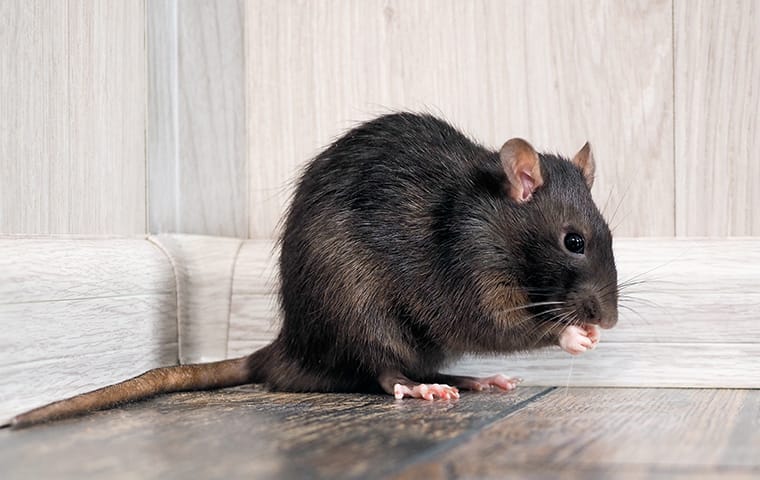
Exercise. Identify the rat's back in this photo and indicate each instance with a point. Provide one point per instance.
(357, 242)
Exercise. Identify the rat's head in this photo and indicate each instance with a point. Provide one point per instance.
(565, 245)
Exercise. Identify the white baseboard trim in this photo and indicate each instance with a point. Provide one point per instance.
(82, 312)
(79, 313)
(696, 319)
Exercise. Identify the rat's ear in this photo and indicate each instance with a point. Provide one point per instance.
(584, 160)
(520, 163)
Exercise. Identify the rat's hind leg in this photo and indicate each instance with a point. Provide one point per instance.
(398, 385)
(479, 384)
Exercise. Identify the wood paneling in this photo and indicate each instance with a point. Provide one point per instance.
(197, 161)
(717, 70)
(34, 149)
(107, 84)
(204, 269)
(72, 89)
(611, 364)
(254, 307)
(162, 132)
(79, 314)
(688, 327)
(557, 73)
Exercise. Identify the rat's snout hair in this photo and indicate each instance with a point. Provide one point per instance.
(591, 307)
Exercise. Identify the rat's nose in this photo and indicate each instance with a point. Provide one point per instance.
(590, 310)
(608, 322)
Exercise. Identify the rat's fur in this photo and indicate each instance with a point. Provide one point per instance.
(402, 249)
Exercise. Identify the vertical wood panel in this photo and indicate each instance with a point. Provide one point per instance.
(717, 60)
(107, 116)
(162, 132)
(197, 160)
(34, 69)
(558, 73)
(72, 141)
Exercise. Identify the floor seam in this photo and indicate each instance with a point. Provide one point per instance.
(449, 445)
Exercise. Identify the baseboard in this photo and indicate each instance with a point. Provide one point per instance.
(692, 318)
(80, 313)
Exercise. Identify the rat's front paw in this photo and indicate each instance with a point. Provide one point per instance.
(577, 339)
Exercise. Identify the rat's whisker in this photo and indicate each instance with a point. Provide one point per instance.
(635, 312)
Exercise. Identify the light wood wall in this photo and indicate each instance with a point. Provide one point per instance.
(197, 165)
(203, 127)
(717, 126)
(664, 90)
(557, 73)
(72, 123)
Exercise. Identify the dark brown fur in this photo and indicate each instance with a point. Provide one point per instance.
(405, 246)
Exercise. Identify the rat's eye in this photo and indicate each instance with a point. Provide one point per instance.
(574, 243)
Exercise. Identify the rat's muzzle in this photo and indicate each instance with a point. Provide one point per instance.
(590, 308)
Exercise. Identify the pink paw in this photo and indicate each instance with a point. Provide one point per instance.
(498, 381)
(426, 391)
(577, 339)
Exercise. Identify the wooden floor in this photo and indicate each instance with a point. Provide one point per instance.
(530, 433)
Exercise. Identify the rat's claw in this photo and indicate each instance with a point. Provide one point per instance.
(401, 391)
(426, 391)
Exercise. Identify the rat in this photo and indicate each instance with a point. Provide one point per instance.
(405, 246)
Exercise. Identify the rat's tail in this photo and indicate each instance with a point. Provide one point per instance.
(204, 376)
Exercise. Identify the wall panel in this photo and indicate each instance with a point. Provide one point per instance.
(72, 139)
(197, 155)
(717, 73)
(557, 73)
(106, 177)
(34, 149)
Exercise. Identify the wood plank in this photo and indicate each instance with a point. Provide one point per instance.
(258, 268)
(615, 432)
(32, 384)
(81, 313)
(162, 131)
(39, 269)
(556, 73)
(254, 306)
(254, 323)
(672, 338)
(717, 66)
(105, 179)
(670, 298)
(202, 103)
(55, 329)
(701, 365)
(246, 432)
(445, 471)
(204, 269)
(689, 265)
(34, 148)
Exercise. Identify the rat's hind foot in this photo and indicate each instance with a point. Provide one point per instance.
(398, 385)
(428, 391)
(479, 384)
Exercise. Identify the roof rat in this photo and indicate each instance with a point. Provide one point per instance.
(407, 245)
